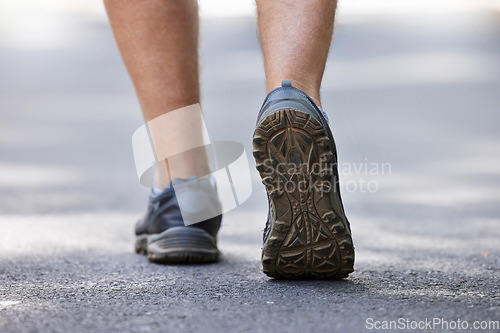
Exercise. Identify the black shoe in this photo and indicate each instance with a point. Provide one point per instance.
(307, 234)
(162, 233)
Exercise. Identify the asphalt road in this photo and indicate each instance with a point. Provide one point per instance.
(413, 103)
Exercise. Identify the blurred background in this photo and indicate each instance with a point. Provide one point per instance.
(410, 84)
(413, 84)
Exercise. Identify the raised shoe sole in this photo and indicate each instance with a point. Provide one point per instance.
(307, 237)
(179, 245)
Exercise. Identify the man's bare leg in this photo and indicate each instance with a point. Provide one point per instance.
(307, 234)
(295, 37)
(158, 41)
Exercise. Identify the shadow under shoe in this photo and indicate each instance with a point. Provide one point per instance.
(163, 234)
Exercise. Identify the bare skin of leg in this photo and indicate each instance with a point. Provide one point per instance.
(295, 37)
(158, 41)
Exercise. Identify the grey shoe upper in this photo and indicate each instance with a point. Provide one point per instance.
(287, 96)
(163, 211)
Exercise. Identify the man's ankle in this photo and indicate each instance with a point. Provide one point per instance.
(310, 88)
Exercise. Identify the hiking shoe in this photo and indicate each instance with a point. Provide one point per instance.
(307, 234)
(162, 234)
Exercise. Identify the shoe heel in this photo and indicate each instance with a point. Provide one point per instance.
(182, 245)
(141, 244)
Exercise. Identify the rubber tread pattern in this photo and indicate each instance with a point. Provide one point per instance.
(308, 238)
